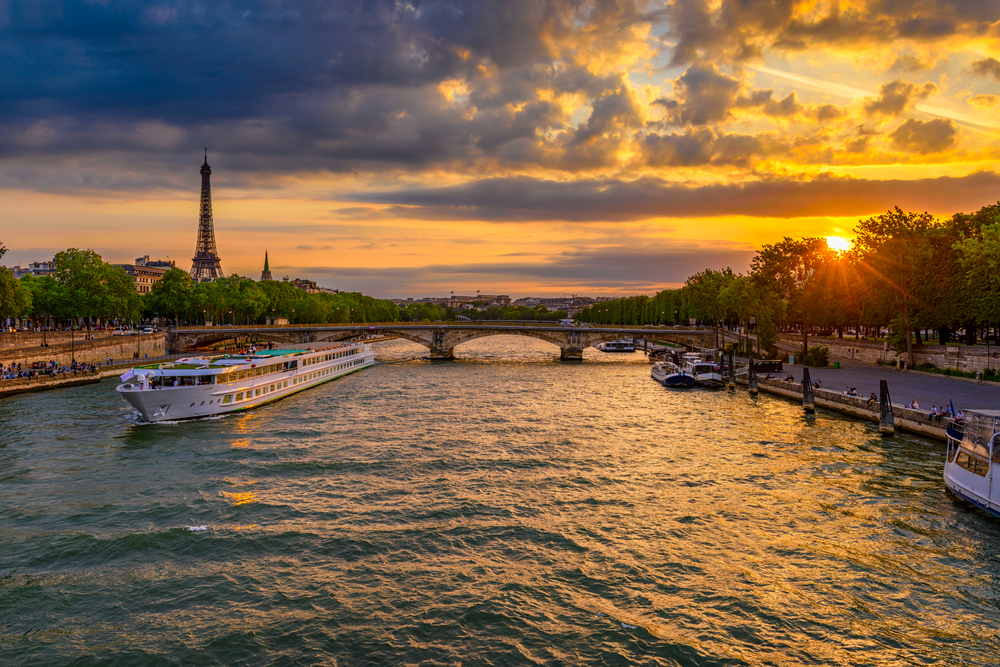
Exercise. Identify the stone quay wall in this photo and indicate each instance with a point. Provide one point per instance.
(956, 357)
(25, 339)
(90, 352)
(914, 421)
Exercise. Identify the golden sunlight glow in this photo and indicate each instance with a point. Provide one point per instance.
(838, 243)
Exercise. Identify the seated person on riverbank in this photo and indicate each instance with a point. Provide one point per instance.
(789, 378)
(912, 405)
(872, 399)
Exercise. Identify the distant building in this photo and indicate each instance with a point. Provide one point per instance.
(34, 269)
(155, 263)
(144, 276)
(304, 285)
(266, 273)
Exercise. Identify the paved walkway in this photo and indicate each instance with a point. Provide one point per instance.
(926, 389)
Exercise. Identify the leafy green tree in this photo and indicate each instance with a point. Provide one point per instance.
(174, 293)
(94, 288)
(706, 288)
(893, 252)
(789, 270)
(979, 262)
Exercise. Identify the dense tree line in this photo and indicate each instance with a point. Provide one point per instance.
(84, 286)
(909, 273)
(81, 286)
(238, 300)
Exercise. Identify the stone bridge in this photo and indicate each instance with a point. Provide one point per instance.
(441, 339)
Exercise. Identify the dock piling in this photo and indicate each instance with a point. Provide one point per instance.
(752, 378)
(886, 417)
(808, 396)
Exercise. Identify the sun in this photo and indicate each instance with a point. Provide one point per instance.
(838, 243)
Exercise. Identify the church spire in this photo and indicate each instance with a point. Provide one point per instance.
(266, 273)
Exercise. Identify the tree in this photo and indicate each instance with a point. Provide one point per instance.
(94, 288)
(788, 269)
(979, 262)
(706, 288)
(893, 253)
(173, 293)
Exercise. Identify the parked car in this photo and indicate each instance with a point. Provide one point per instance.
(768, 365)
(146, 330)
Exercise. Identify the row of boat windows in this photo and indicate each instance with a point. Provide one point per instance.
(266, 389)
(971, 463)
(196, 380)
(329, 357)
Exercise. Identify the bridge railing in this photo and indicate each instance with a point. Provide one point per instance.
(380, 325)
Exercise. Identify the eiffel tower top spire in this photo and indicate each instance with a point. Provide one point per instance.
(206, 266)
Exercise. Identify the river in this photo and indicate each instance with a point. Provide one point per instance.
(505, 508)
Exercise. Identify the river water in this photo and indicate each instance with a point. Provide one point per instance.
(502, 509)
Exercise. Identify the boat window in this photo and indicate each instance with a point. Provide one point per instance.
(257, 393)
(286, 383)
(239, 396)
(972, 464)
(228, 398)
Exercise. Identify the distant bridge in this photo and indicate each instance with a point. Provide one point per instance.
(441, 339)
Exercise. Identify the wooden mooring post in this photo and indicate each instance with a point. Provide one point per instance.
(886, 417)
(808, 396)
(752, 378)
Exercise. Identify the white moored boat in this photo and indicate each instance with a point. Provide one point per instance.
(617, 346)
(972, 468)
(706, 373)
(213, 385)
(670, 374)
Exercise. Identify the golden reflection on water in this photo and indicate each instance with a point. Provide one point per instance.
(240, 498)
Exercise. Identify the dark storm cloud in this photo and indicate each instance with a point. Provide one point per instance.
(917, 136)
(704, 95)
(897, 96)
(738, 30)
(987, 67)
(298, 86)
(700, 147)
(609, 200)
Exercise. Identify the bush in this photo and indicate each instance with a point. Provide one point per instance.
(817, 357)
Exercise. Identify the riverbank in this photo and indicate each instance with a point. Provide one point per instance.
(90, 352)
(912, 421)
(47, 382)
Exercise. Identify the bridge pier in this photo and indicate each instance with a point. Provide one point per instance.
(442, 353)
(571, 354)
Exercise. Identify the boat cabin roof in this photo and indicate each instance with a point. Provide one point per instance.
(224, 363)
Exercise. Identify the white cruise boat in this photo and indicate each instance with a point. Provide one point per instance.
(617, 346)
(214, 385)
(973, 450)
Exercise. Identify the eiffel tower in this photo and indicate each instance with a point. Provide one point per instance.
(207, 266)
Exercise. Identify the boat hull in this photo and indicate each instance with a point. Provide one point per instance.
(678, 380)
(973, 499)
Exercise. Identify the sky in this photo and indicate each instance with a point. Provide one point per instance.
(524, 147)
